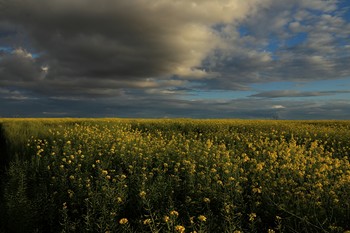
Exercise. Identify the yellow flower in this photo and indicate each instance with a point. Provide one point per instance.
(70, 193)
(191, 220)
(147, 221)
(202, 218)
(180, 228)
(104, 172)
(257, 189)
(252, 216)
(142, 194)
(166, 218)
(206, 200)
(123, 221)
(174, 213)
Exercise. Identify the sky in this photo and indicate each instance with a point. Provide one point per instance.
(251, 59)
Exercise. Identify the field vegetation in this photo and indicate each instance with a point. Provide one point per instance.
(134, 175)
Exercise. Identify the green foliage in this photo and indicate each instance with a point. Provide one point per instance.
(127, 175)
(19, 207)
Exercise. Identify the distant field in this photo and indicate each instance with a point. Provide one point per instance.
(174, 175)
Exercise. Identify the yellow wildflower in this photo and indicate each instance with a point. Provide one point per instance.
(174, 213)
(123, 221)
(104, 172)
(202, 218)
(252, 217)
(180, 228)
(206, 200)
(166, 218)
(147, 221)
(142, 194)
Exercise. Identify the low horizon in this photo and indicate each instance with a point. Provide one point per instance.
(169, 118)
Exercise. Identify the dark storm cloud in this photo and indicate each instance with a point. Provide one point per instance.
(115, 39)
(18, 66)
(118, 44)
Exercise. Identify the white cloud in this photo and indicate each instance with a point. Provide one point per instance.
(278, 107)
(45, 69)
(22, 53)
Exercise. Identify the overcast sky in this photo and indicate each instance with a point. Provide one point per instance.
(286, 59)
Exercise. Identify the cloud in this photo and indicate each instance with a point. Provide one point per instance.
(119, 42)
(278, 107)
(285, 41)
(16, 95)
(136, 40)
(17, 67)
(157, 52)
(162, 106)
(118, 39)
(293, 93)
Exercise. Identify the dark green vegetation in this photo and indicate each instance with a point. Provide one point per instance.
(127, 175)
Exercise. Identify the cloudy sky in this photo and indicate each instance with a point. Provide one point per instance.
(175, 58)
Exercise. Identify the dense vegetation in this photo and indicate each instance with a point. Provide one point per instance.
(128, 175)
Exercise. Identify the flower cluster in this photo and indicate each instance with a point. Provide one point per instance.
(196, 175)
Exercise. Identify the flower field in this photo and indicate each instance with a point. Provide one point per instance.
(134, 175)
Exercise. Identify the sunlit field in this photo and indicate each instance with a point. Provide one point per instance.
(134, 175)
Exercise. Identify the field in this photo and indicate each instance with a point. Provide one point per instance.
(134, 175)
